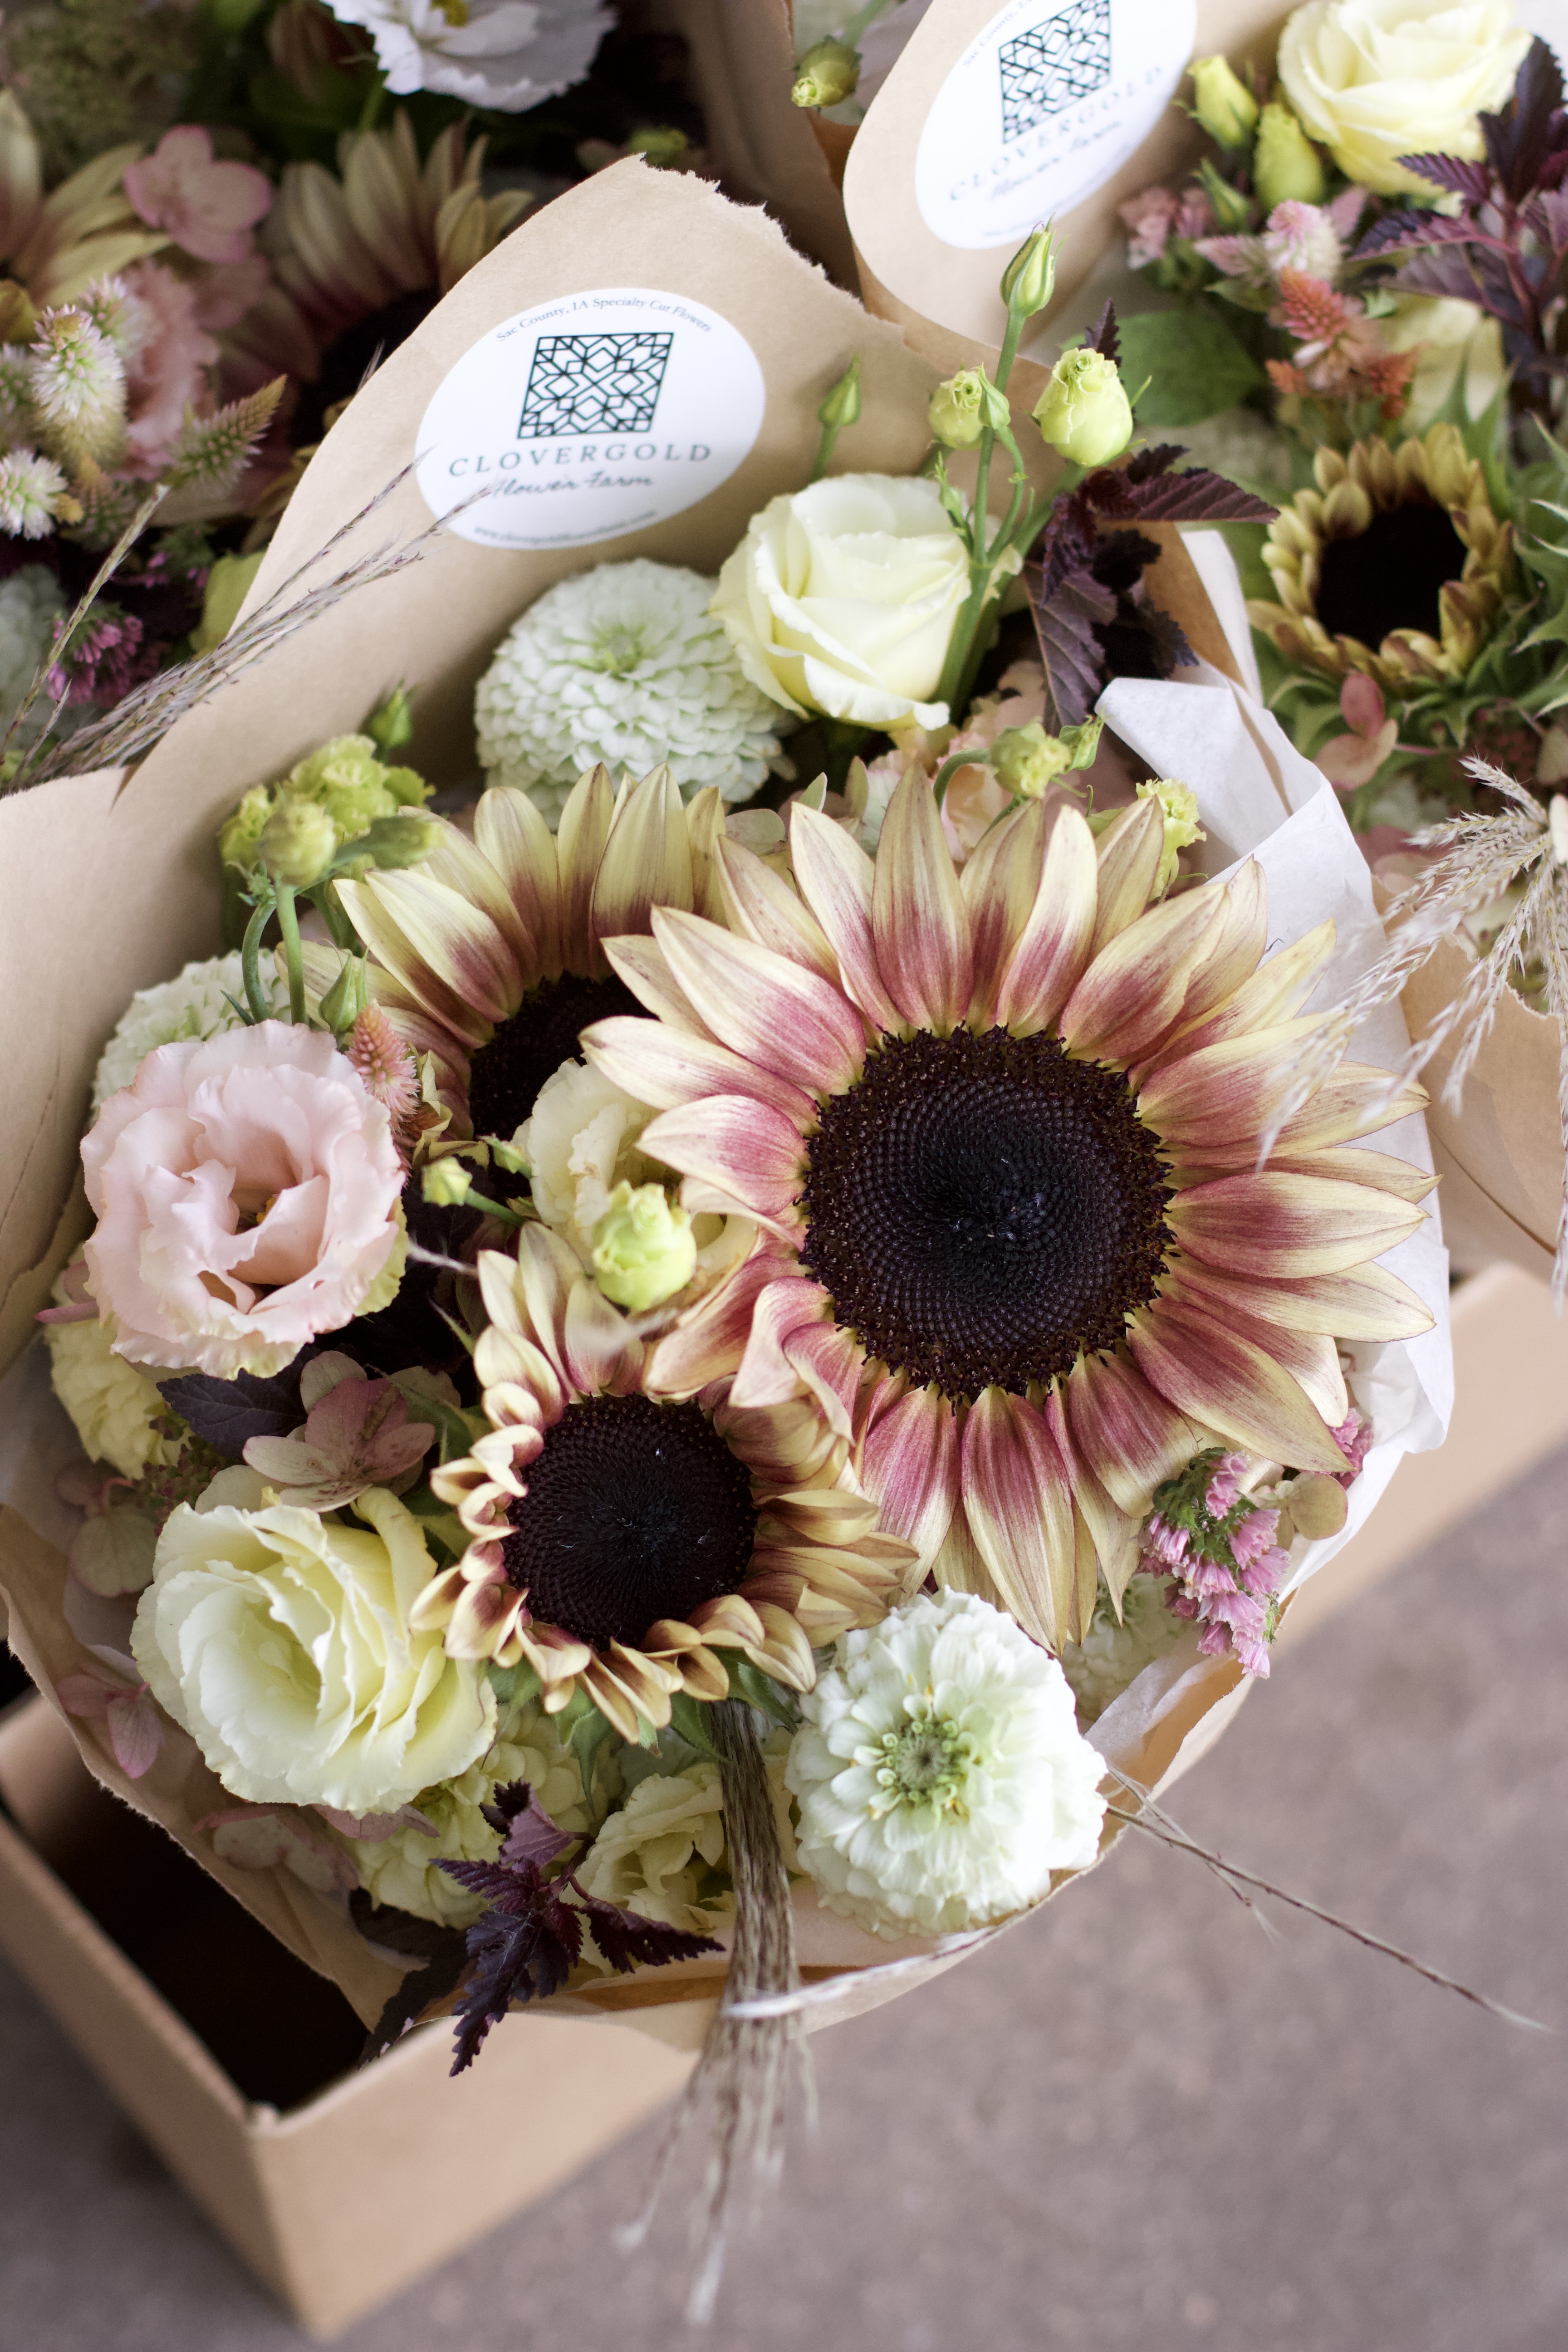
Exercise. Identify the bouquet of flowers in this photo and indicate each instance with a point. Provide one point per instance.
(693, 1379)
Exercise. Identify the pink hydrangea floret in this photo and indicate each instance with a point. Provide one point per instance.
(208, 208)
(247, 1190)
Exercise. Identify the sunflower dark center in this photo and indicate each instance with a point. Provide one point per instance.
(634, 1511)
(505, 1075)
(982, 1210)
(1387, 576)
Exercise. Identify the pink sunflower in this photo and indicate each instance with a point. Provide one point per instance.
(1003, 1132)
(622, 1537)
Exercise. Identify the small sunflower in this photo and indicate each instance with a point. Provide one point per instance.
(491, 955)
(624, 1535)
(1004, 1134)
(1396, 565)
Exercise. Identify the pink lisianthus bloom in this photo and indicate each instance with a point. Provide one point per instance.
(208, 208)
(246, 1192)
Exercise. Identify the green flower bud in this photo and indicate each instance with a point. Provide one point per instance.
(445, 1183)
(960, 410)
(298, 843)
(644, 1250)
(1082, 742)
(228, 584)
(842, 405)
(240, 833)
(1286, 166)
(663, 145)
(827, 74)
(1030, 276)
(1231, 208)
(1083, 411)
(346, 779)
(395, 841)
(1028, 760)
(347, 997)
(391, 723)
(1180, 803)
(1225, 106)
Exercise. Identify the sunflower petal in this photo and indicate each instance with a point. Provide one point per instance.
(910, 1466)
(1276, 992)
(604, 1354)
(509, 831)
(456, 861)
(919, 920)
(710, 1339)
(1223, 1092)
(1381, 1169)
(643, 965)
(449, 955)
(1052, 954)
(1136, 987)
(1019, 1509)
(1127, 855)
(646, 861)
(753, 1153)
(759, 1005)
(1112, 1534)
(1000, 883)
(760, 906)
(580, 841)
(1310, 1358)
(837, 880)
(547, 1270)
(1353, 1101)
(830, 1361)
(1278, 1225)
(779, 1311)
(705, 835)
(1222, 1378)
(666, 1067)
(1367, 1303)
(1124, 1432)
(1230, 952)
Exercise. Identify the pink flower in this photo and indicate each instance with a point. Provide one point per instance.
(208, 208)
(168, 373)
(1252, 1538)
(1225, 1484)
(247, 1190)
(356, 1433)
(1353, 1437)
(129, 1712)
(1147, 217)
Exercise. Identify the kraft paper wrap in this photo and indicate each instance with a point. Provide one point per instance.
(946, 298)
(109, 883)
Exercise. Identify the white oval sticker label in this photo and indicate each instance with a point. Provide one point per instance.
(589, 417)
(1042, 107)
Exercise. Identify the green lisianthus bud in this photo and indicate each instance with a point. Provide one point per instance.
(1286, 166)
(354, 787)
(827, 74)
(347, 997)
(842, 404)
(240, 833)
(1222, 104)
(1030, 276)
(1084, 412)
(958, 409)
(644, 1249)
(446, 1183)
(391, 723)
(1082, 742)
(393, 842)
(1180, 805)
(1028, 760)
(662, 144)
(298, 843)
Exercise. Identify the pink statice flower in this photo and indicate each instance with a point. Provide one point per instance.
(208, 208)
(247, 1190)
(108, 655)
(1220, 1551)
(1353, 1437)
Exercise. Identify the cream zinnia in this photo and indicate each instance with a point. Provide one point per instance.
(1003, 1133)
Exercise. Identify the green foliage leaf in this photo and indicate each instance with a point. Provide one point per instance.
(1196, 367)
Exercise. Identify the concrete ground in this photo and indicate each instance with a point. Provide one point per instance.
(1138, 2122)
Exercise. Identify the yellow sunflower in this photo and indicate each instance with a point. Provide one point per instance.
(1003, 1132)
(490, 953)
(623, 1535)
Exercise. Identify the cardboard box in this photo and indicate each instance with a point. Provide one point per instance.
(342, 2187)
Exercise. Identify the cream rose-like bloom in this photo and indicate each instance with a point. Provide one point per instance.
(116, 1410)
(1375, 80)
(281, 1640)
(247, 1189)
(941, 1772)
(842, 599)
(663, 1854)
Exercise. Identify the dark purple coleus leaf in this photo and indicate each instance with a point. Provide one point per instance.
(228, 1414)
(1103, 336)
(1408, 232)
(1071, 652)
(1521, 139)
(1470, 182)
(524, 1947)
(443, 1953)
(1153, 494)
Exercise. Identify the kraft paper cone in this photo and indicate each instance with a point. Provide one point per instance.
(995, 120)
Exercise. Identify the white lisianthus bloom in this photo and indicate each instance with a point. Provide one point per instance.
(663, 1854)
(1113, 1655)
(1375, 79)
(624, 665)
(281, 1640)
(403, 1870)
(1454, 339)
(509, 54)
(194, 1004)
(842, 599)
(939, 1770)
(115, 1407)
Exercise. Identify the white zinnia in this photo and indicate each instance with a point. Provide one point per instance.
(509, 54)
(195, 1005)
(622, 664)
(941, 1772)
(1111, 1656)
(31, 602)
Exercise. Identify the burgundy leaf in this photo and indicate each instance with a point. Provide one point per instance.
(1103, 337)
(513, 1957)
(228, 1413)
(1196, 496)
(627, 1940)
(1546, 217)
(1472, 182)
(1070, 652)
(1448, 273)
(1519, 139)
(442, 1952)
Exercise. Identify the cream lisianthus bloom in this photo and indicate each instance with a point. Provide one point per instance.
(281, 1642)
(663, 1854)
(1375, 80)
(117, 1410)
(941, 1772)
(842, 599)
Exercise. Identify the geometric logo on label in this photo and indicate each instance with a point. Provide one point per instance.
(1066, 59)
(593, 384)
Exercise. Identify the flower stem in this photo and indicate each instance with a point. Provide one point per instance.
(289, 924)
(376, 100)
(250, 959)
